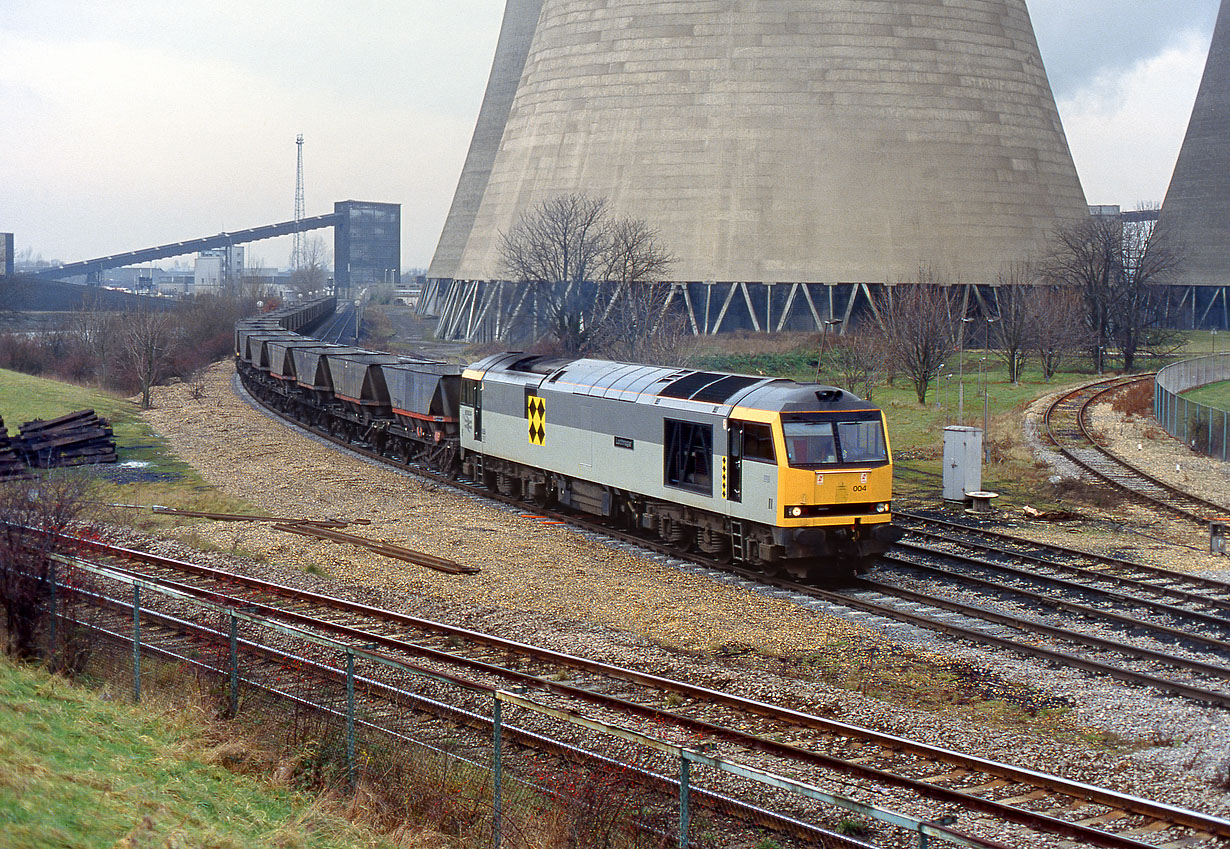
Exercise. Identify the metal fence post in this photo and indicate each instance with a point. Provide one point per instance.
(497, 796)
(136, 642)
(234, 665)
(51, 607)
(350, 717)
(685, 769)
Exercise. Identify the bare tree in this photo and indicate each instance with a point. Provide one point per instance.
(636, 321)
(94, 332)
(1151, 258)
(640, 326)
(859, 360)
(312, 273)
(1119, 270)
(33, 515)
(1057, 315)
(917, 322)
(1014, 330)
(147, 337)
(592, 276)
(555, 249)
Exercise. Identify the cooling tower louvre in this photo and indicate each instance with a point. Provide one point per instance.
(1197, 206)
(516, 33)
(795, 140)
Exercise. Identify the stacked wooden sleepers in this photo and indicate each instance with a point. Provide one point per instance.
(77, 439)
(11, 465)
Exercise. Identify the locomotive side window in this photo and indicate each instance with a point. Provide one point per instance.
(862, 442)
(687, 449)
(758, 443)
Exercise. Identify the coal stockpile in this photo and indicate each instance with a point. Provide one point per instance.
(77, 439)
(11, 465)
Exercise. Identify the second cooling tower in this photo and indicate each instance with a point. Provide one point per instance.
(793, 140)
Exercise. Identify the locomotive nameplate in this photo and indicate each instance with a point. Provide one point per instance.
(624, 442)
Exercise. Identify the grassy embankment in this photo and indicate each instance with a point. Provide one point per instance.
(1214, 395)
(148, 471)
(78, 771)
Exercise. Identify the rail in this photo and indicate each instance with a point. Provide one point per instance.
(1205, 428)
(245, 644)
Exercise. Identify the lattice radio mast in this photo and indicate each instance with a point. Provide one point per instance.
(296, 253)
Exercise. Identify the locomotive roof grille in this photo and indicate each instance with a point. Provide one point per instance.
(708, 387)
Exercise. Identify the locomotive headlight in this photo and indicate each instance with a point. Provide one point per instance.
(882, 507)
(795, 512)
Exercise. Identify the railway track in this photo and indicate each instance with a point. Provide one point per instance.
(938, 619)
(1196, 591)
(987, 795)
(922, 610)
(340, 326)
(1067, 425)
(1118, 570)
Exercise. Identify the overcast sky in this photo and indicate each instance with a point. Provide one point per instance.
(130, 123)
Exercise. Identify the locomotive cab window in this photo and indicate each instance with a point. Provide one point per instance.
(832, 440)
(687, 449)
(862, 442)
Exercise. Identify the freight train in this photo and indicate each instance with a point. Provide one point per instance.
(790, 478)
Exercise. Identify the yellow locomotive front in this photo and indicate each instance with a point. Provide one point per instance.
(835, 466)
(830, 500)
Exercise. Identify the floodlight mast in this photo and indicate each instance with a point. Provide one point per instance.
(296, 253)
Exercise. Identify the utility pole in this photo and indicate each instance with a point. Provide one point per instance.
(296, 253)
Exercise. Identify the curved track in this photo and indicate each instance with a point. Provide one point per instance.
(340, 326)
(1067, 425)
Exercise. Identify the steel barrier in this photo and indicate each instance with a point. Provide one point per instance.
(1205, 428)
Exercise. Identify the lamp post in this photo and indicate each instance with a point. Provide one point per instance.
(986, 441)
(828, 322)
(947, 408)
(961, 372)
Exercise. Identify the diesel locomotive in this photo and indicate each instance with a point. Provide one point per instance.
(788, 477)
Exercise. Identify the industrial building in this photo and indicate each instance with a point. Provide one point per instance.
(6, 254)
(366, 244)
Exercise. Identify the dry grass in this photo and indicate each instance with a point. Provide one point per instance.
(1136, 400)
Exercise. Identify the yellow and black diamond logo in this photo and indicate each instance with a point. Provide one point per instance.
(537, 411)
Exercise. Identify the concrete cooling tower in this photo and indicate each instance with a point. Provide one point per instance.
(823, 141)
(516, 33)
(1197, 205)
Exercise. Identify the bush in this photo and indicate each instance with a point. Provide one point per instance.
(89, 348)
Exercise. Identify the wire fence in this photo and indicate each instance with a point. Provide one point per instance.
(426, 747)
(1205, 428)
